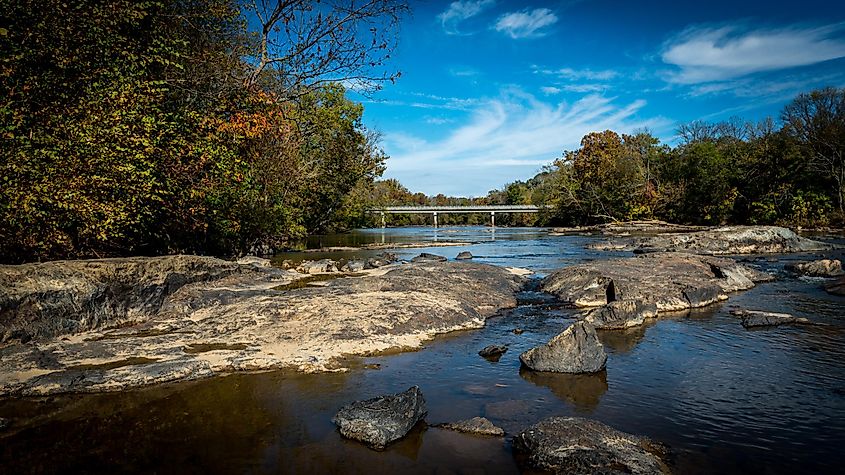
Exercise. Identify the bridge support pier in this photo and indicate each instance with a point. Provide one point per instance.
(493, 219)
(382, 220)
(435, 219)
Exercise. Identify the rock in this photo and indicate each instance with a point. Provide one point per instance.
(379, 421)
(426, 257)
(476, 425)
(621, 314)
(575, 350)
(381, 260)
(819, 268)
(837, 287)
(731, 240)
(518, 331)
(354, 266)
(574, 445)
(43, 300)
(672, 280)
(4, 423)
(243, 322)
(464, 255)
(321, 266)
(629, 227)
(254, 261)
(754, 318)
(493, 351)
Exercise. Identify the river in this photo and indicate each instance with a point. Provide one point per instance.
(725, 399)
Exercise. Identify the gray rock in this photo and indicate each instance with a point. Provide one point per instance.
(621, 314)
(671, 280)
(574, 445)
(576, 350)
(518, 331)
(493, 351)
(464, 255)
(354, 266)
(819, 268)
(321, 266)
(254, 261)
(426, 257)
(476, 425)
(381, 260)
(754, 318)
(379, 421)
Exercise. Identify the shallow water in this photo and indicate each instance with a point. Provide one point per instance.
(726, 399)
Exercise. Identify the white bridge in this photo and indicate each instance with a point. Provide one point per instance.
(435, 210)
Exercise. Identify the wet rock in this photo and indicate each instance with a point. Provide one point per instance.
(672, 280)
(493, 351)
(379, 421)
(819, 268)
(476, 425)
(464, 255)
(254, 261)
(381, 260)
(317, 267)
(574, 445)
(49, 299)
(730, 240)
(518, 331)
(354, 266)
(837, 287)
(575, 350)
(621, 314)
(754, 318)
(426, 257)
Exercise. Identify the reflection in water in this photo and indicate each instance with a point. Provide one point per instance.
(625, 340)
(581, 390)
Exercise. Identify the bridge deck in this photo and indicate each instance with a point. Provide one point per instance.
(457, 209)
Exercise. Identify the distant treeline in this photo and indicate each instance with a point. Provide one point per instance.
(202, 126)
(789, 171)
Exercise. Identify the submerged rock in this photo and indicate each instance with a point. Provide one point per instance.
(573, 445)
(476, 425)
(575, 350)
(819, 268)
(621, 314)
(464, 255)
(754, 318)
(493, 351)
(671, 280)
(379, 421)
(730, 240)
(426, 257)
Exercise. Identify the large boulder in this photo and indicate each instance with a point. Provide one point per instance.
(573, 445)
(621, 314)
(755, 318)
(670, 280)
(575, 350)
(819, 268)
(729, 240)
(379, 421)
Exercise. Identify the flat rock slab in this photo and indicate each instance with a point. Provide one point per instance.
(575, 350)
(427, 257)
(755, 318)
(672, 280)
(476, 425)
(819, 268)
(630, 227)
(379, 421)
(728, 240)
(573, 445)
(245, 322)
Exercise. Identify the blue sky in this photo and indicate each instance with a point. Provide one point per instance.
(492, 90)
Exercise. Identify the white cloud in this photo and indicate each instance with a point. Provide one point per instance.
(583, 88)
(460, 11)
(551, 90)
(438, 120)
(526, 24)
(579, 74)
(506, 138)
(719, 54)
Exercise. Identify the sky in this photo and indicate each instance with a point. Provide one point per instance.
(493, 90)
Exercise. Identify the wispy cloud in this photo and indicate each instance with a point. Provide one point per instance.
(704, 54)
(551, 90)
(526, 24)
(459, 11)
(438, 120)
(578, 74)
(508, 137)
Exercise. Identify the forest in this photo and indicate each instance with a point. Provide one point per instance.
(216, 127)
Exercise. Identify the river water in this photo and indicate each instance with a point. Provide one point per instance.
(725, 399)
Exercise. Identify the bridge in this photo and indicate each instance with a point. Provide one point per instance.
(435, 210)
